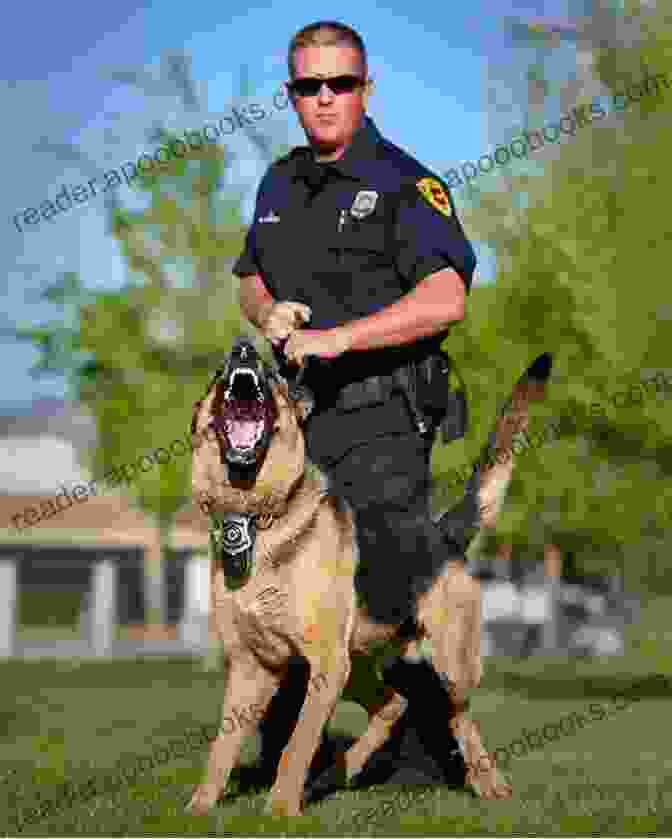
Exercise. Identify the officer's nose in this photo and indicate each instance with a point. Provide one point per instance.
(325, 95)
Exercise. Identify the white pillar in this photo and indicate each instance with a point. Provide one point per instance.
(103, 606)
(7, 606)
(552, 573)
(193, 629)
(85, 614)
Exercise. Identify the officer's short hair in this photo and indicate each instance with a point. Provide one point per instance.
(325, 33)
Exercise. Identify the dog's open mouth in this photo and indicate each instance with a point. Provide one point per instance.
(245, 419)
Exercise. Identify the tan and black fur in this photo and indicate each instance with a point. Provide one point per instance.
(301, 601)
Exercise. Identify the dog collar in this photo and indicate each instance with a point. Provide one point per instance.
(233, 536)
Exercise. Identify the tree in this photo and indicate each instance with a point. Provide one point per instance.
(569, 282)
(139, 357)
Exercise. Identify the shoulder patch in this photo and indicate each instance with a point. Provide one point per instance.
(432, 191)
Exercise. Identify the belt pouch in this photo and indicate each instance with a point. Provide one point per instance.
(371, 391)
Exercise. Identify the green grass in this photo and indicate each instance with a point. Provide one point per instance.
(74, 721)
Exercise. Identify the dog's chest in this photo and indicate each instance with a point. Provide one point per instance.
(261, 616)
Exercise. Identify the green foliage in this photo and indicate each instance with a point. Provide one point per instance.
(582, 273)
(139, 357)
(58, 341)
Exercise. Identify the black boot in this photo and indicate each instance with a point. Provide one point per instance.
(420, 749)
(426, 751)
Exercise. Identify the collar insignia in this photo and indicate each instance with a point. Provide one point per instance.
(432, 191)
(271, 218)
(364, 203)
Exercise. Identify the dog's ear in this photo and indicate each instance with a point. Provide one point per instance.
(304, 401)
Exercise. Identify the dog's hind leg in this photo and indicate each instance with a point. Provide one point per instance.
(383, 704)
(384, 713)
(450, 611)
(450, 615)
(249, 690)
(286, 796)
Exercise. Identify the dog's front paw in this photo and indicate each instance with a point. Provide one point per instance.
(201, 802)
(280, 805)
(488, 784)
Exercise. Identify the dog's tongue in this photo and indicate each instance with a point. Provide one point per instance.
(243, 423)
(242, 433)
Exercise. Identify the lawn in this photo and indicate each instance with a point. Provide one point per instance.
(74, 721)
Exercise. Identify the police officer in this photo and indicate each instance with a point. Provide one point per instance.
(354, 237)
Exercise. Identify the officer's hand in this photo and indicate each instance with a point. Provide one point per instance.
(283, 318)
(323, 343)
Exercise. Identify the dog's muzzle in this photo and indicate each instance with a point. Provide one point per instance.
(243, 415)
(245, 420)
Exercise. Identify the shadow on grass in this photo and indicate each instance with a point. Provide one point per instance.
(250, 780)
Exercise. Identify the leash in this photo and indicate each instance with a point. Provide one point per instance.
(298, 379)
(280, 367)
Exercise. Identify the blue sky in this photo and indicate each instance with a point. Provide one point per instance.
(430, 64)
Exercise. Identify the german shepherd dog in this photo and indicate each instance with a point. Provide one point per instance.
(282, 580)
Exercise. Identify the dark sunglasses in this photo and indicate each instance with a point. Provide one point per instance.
(337, 84)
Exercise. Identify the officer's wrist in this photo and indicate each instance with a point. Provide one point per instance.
(343, 335)
(263, 313)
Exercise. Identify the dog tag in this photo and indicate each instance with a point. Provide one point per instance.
(232, 542)
(235, 534)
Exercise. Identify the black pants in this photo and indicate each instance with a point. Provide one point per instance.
(379, 463)
(386, 480)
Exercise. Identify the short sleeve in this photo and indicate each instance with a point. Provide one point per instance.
(247, 263)
(429, 236)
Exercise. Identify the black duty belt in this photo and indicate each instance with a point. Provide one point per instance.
(370, 391)
(425, 383)
(413, 380)
(375, 390)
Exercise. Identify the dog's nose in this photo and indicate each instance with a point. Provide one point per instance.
(244, 351)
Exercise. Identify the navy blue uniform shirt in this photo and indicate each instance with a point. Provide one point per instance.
(352, 236)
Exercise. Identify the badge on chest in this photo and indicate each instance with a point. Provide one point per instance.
(364, 203)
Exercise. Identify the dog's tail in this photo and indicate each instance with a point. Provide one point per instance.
(491, 476)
